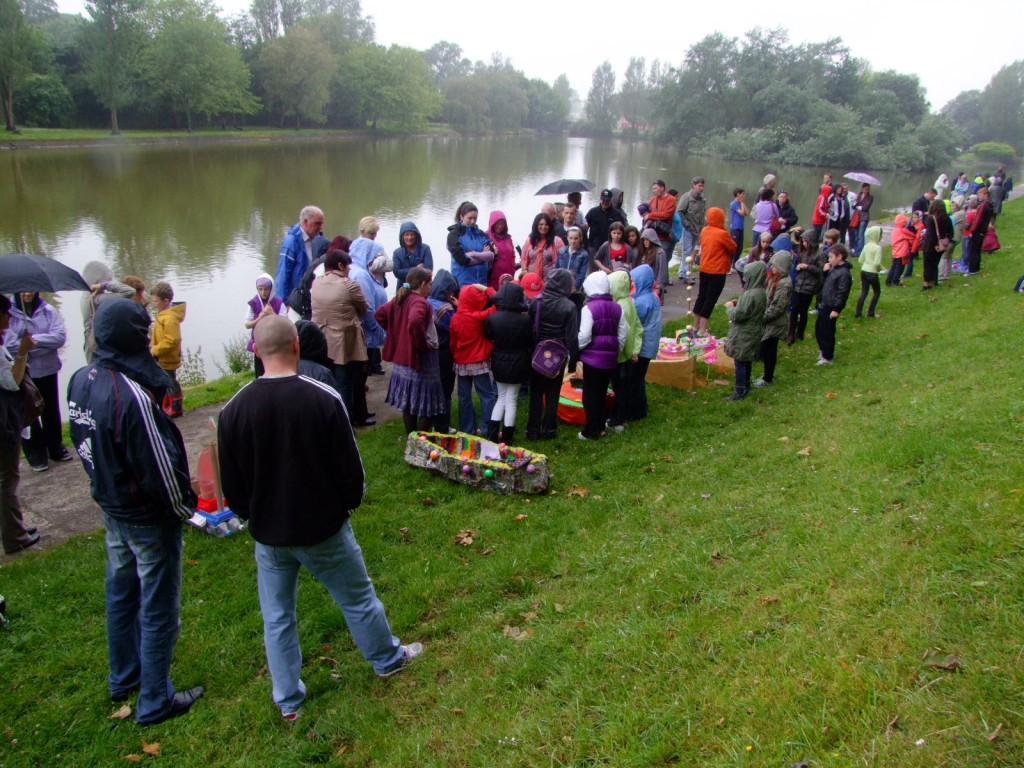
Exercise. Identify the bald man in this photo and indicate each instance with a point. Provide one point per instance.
(280, 438)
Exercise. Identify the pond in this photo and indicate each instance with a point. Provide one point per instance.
(208, 218)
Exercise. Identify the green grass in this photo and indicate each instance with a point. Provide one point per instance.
(715, 598)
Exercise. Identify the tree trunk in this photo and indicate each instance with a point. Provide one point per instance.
(8, 107)
(114, 130)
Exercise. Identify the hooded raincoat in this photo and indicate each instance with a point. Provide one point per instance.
(746, 319)
(504, 251)
(871, 253)
(403, 259)
(619, 283)
(648, 310)
(165, 341)
(511, 332)
(779, 294)
(462, 241)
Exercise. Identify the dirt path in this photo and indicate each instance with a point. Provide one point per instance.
(58, 501)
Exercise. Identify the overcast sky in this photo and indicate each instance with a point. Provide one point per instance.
(545, 38)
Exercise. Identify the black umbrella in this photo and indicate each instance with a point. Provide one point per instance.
(28, 272)
(565, 186)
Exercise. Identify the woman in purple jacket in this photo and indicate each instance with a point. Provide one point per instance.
(34, 316)
(602, 336)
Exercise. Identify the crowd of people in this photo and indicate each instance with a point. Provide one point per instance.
(506, 320)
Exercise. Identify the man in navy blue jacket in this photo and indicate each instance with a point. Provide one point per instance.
(136, 462)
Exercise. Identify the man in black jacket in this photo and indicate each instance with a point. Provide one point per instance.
(599, 220)
(834, 293)
(136, 462)
(290, 466)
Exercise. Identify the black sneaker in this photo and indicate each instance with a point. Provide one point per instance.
(180, 704)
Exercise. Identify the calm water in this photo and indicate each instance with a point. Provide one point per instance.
(208, 219)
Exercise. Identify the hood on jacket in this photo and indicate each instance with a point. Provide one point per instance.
(471, 299)
(443, 286)
(560, 282)
(782, 261)
(494, 218)
(616, 194)
(121, 330)
(97, 272)
(874, 234)
(265, 276)
(510, 297)
(650, 235)
(408, 226)
(782, 243)
(618, 281)
(313, 343)
(177, 309)
(755, 274)
(643, 279)
(901, 221)
(596, 284)
(716, 218)
(30, 309)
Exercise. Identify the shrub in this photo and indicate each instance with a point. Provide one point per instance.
(995, 151)
(237, 357)
(192, 373)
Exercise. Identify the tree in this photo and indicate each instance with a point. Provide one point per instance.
(17, 40)
(548, 110)
(965, 112)
(507, 103)
(266, 14)
(192, 67)
(391, 84)
(114, 42)
(1002, 106)
(600, 107)
(465, 107)
(634, 97)
(446, 61)
(38, 11)
(297, 72)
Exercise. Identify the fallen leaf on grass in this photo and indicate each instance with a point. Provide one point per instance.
(995, 734)
(705, 495)
(831, 395)
(805, 452)
(404, 533)
(559, 608)
(767, 600)
(893, 724)
(152, 750)
(464, 538)
(328, 658)
(660, 497)
(517, 634)
(122, 714)
(520, 518)
(717, 557)
(666, 457)
(934, 658)
(133, 758)
(488, 551)
(783, 439)
(648, 469)
(427, 502)
(723, 382)
(342, 751)
(457, 711)
(193, 562)
(721, 722)
(577, 490)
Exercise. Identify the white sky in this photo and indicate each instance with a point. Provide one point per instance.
(545, 38)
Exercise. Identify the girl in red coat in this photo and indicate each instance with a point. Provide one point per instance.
(471, 353)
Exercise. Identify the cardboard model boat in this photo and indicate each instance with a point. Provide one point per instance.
(479, 463)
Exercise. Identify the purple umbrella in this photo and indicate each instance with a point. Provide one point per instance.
(864, 178)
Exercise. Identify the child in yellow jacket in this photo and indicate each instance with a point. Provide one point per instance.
(165, 343)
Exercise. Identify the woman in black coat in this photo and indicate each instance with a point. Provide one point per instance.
(938, 227)
(510, 331)
(558, 319)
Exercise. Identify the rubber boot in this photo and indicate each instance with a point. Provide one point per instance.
(177, 406)
(167, 407)
(508, 434)
(492, 430)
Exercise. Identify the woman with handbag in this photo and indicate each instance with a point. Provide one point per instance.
(937, 238)
(13, 532)
(767, 217)
(33, 316)
(554, 318)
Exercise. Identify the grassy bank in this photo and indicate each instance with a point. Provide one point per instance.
(726, 584)
(45, 136)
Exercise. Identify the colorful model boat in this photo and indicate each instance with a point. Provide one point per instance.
(479, 463)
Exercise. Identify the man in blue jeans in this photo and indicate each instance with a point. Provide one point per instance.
(290, 466)
(136, 462)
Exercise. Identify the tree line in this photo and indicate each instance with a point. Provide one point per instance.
(304, 63)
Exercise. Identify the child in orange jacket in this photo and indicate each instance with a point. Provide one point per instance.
(904, 239)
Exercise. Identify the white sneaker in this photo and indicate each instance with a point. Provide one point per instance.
(409, 652)
(762, 383)
(823, 361)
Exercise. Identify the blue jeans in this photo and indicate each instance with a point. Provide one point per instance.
(862, 227)
(487, 393)
(143, 599)
(337, 563)
(689, 241)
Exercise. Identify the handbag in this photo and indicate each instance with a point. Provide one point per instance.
(550, 354)
(663, 228)
(32, 403)
(776, 226)
(991, 241)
